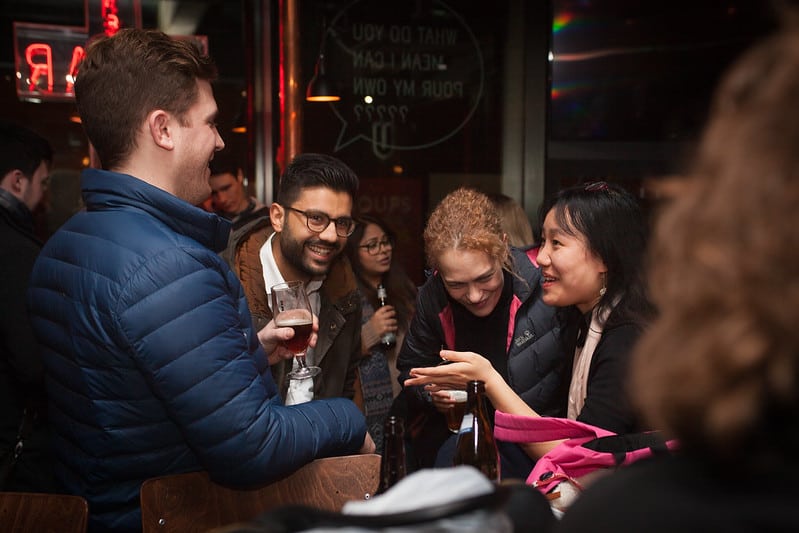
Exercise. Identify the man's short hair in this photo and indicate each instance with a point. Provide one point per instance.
(315, 170)
(22, 149)
(125, 77)
(224, 163)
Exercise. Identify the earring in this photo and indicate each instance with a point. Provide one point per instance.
(604, 288)
(602, 291)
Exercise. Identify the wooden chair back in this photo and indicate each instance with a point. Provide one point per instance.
(192, 502)
(21, 512)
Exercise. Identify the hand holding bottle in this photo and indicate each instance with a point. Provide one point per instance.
(384, 320)
(389, 337)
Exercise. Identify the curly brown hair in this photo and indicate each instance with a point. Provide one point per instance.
(465, 220)
(719, 368)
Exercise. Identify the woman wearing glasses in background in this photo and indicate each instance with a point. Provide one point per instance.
(370, 249)
(594, 240)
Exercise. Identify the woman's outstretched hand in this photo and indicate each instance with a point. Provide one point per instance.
(456, 369)
(454, 372)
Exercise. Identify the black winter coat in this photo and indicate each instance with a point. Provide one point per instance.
(21, 373)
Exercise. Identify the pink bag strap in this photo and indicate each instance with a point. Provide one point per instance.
(520, 428)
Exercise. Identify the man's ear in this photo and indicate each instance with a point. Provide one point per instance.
(159, 125)
(14, 182)
(277, 216)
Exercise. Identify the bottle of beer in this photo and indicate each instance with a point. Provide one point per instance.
(389, 339)
(475, 445)
(392, 461)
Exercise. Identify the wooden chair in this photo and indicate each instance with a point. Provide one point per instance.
(192, 502)
(21, 512)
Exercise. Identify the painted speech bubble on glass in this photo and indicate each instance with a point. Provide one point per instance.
(411, 73)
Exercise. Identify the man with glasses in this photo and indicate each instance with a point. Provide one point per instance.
(302, 239)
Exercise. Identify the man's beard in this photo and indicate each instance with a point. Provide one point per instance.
(293, 252)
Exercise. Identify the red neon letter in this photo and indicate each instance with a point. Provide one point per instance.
(108, 7)
(111, 21)
(77, 57)
(111, 25)
(37, 69)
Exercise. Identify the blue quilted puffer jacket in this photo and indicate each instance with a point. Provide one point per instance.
(152, 363)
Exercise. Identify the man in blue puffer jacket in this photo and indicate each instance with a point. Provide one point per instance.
(152, 363)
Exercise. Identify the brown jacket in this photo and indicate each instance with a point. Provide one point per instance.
(338, 348)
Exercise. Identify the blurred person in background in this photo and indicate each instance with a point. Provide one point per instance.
(25, 159)
(229, 196)
(514, 221)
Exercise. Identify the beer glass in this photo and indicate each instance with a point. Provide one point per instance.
(291, 309)
(455, 413)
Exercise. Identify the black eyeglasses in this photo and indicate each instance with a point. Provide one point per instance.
(318, 222)
(374, 247)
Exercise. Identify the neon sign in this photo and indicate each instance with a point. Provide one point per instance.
(47, 59)
(47, 56)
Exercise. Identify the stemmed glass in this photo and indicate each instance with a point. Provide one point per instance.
(291, 309)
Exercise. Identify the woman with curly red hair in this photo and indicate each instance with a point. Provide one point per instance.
(483, 296)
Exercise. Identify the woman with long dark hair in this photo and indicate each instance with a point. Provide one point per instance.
(370, 249)
(718, 370)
